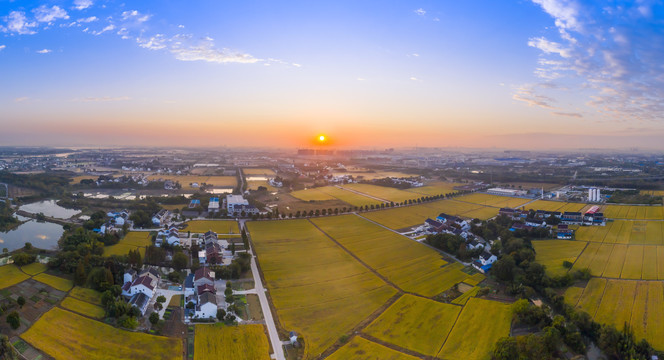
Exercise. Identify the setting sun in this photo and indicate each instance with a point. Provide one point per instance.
(321, 138)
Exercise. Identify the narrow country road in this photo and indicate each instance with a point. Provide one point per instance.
(267, 312)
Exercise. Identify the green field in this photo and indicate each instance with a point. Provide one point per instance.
(363, 349)
(218, 226)
(55, 281)
(83, 308)
(412, 266)
(87, 295)
(383, 192)
(11, 275)
(220, 342)
(552, 253)
(435, 188)
(639, 303)
(64, 335)
(493, 200)
(132, 241)
(318, 290)
(34, 268)
(480, 324)
(416, 324)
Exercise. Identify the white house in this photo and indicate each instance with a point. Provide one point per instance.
(487, 258)
(141, 301)
(207, 306)
(189, 285)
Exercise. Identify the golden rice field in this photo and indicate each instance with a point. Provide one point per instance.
(416, 324)
(187, 180)
(624, 232)
(480, 324)
(367, 174)
(362, 349)
(408, 216)
(87, 295)
(132, 241)
(218, 226)
(254, 184)
(311, 194)
(653, 192)
(34, 268)
(639, 303)
(463, 299)
(634, 262)
(64, 335)
(54, 281)
(634, 212)
(258, 171)
(435, 188)
(410, 265)
(555, 206)
(222, 342)
(493, 200)
(383, 192)
(318, 289)
(348, 197)
(552, 253)
(11, 275)
(83, 308)
(475, 279)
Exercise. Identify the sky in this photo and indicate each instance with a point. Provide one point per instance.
(530, 74)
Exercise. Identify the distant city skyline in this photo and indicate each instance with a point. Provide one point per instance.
(538, 74)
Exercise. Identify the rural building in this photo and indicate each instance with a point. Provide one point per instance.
(203, 276)
(236, 204)
(213, 206)
(189, 285)
(141, 301)
(207, 306)
(506, 192)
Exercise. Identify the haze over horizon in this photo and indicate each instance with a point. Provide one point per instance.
(539, 74)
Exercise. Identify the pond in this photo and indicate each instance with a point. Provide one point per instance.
(43, 235)
(50, 209)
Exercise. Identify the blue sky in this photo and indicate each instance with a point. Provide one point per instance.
(370, 73)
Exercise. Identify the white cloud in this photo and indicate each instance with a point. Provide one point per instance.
(420, 12)
(88, 19)
(549, 47)
(297, 65)
(2, 47)
(414, 78)
(134, 15)
(21, 99)
(47, 15)
(436, 19)
(109, 27)
(82, 4)
(44, 51)
(181, 26)
(156, 42)
(205, 50)
(102, 99)
(361, 79)
(18, 23)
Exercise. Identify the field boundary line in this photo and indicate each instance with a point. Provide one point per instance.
(361, 193)
(581, 253)
(394, 347)
(452, 329)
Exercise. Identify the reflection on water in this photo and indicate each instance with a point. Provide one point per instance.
(256, 178)
(222, 191)
(50, 209)
(42, 235)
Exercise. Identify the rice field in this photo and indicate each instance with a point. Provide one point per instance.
(634, 212)
(254, 184)
(221, 342)
(552, 253)
(480, 324)
(463, 298)
(555, 206)
(493, 200)
(348, 197)
(83, 308)
(362, 349)
(187, 180)
(318, 289)
(634, 262)
(64, 335)
(11, 275)
(311, 194)
(132, 241)
(258, 171)
(653, 192)
(435, 188)
(624, 232)
(87, 295)
(639, 303)
(383, 192)
(34, 268)
(218, 226)
(412, 266)
(54, 281)
(416, 324)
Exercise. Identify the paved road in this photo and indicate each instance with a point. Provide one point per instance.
(168, 294)
(267, 312)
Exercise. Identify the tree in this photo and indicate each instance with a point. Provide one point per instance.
(14, 320)
(221, 314)
(154, 318)
(22, 259)
(505, 349)
(161, 299)
(158, 306)
(6, 350)
(180, 261)
(503, 269)
(20, 301)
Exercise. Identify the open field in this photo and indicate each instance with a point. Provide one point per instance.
(258, 171)
(639, 303)
(383, 192)
(218, 226)
(348, 196)
(220, 342)
(407, 216)
(463, 299)
(254, 184)
(461, 344)
(11, 275)
(493, 200)
(87, 295)
(366, 174)
(412, 266)
(311, 194)
(318, 289)
(552, 253)
(635, 262)
(34, 268)
(415, 323)
(634, 212)
(653, 192)
(363, 349)
(83, 308)
(132, 241)
(65, 335)
(435, 188)
(77, 179)
(54, 281)
(186, 180)
(555, 206)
